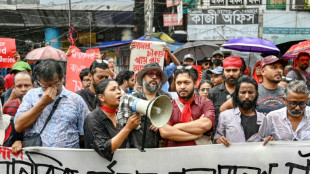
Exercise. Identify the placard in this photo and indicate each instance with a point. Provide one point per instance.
(146, 52)
(7, 49)
(76, 62)
(251, 158)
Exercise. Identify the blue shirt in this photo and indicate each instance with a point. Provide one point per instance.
(66, 124)
(169, 70)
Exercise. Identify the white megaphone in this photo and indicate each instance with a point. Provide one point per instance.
(158, 110)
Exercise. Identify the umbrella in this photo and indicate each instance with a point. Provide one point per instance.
(199, 49)
(295, 49)
(45, 53)
(251, 44)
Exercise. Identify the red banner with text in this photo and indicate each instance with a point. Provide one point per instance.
(7, 49)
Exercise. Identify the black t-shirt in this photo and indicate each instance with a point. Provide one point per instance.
(249, 124)
(89, 98)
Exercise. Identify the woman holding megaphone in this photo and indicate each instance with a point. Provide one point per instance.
(102, 132)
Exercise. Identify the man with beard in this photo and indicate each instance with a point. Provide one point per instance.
(229, 129)
(98, 71)
(151, 78)
(126, 79)
(192, 116)
(300, 73)
(270, 93)
(291, 123)
(221, 93)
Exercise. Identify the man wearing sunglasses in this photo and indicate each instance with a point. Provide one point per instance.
(151, 78)
(65, 127)
(291, 123)
(300, 72)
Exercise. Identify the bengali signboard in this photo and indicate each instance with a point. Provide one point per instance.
(254, 2)
(276, 4)
(251, 158)
(235, 2)
(172, 20)
(7, 49)
(170, 3)
(76, 62)
(222, 24)
(146, 52)
(274, 27)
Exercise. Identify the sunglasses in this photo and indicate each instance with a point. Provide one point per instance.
(294, 104)
(204, 89)
(184, 67)
(157, 74)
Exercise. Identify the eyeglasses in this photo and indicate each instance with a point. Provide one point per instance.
(151, 74)
(204, 89)
(49, 85)
(184, 67)
(294, 104)
(111, 62)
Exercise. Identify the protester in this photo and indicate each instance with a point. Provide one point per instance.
(192, 116)
(65, 127)
(85, 77)
(216, 75)
(217, 58)
(23, 82)
(231, 73)
(102, 132)
(111, 63)
(206, 64)
(17, 67)
(151, 77)
(292, 122)
(204, 88)
(9, 82)
(126, 79)
(300, 72)
(241, 123)
(189, 59)
(257, 74)
(98, 71)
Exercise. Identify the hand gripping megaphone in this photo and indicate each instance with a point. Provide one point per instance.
(158, 110)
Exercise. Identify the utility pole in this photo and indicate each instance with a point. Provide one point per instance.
(148, 16)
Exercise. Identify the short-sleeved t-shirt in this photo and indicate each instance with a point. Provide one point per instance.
(269, 99)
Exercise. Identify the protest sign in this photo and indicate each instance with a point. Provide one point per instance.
(7, 49)
(76, 62)
(251, 158)
(146, 52)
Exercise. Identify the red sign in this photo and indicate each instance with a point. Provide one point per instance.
(172, 20)
(7, 49)
(199, 69)
(169, 2)
(75, 63)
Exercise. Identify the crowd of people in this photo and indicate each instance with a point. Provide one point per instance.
(230, 104)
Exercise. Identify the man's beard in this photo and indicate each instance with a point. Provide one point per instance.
(231, 80)
(247, 104)
(190, 94)
(94, 83)
(303, 67)
(151, 88)
(295, 113)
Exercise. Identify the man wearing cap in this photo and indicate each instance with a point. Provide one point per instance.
(189, 59)
(17, 67)
(300, 72)
(206, 63)
(270, 95)
(217, 58)
(151, 78)
(231, 73)
(216, 75)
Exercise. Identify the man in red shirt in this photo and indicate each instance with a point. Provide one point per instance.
(192, 116)
(23, 82)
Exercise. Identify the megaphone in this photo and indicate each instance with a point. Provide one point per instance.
(158, 110)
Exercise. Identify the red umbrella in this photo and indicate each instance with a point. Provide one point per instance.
(45, 53)
(295, 49)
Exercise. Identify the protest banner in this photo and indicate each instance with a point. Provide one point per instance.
(76, 62)
(251, 158)
(7, 49)
(146, 52)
